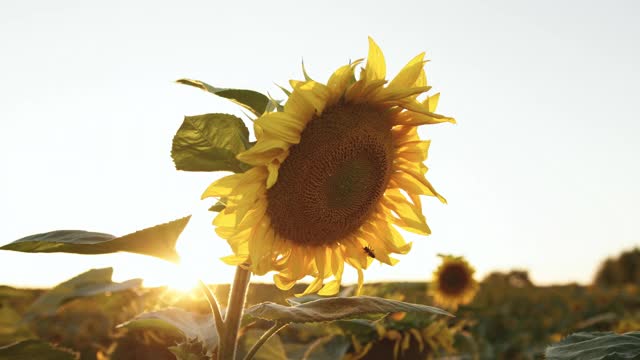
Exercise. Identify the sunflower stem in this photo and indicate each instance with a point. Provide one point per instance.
(237, 297)
(263, 339)
(213, 305)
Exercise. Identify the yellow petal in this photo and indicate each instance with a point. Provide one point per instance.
(413, 152)
(416, 119)
(264, 151)
(432, 102)
(298, 106)
(331, 288)
(315, 285)
(282, 282)
(393, 94)
(409, 74)
(423, 109)
(411, 216)
(337, 262)
(234, 260)
(416, 334)
(413, 184)
(222, 186)
(360, 281)
(315, 94)
(340, 79)
(376, 68)
(282, 126)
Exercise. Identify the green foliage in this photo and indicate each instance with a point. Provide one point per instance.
(327, 348)
(504, 321)
(198, 328)
(273, 349)
(625, 269)
(251, 100)
(189, 350)
(210, 142)
(35, 349)
(90, 283)
(596, 346)
(331, 309)
(158, 241)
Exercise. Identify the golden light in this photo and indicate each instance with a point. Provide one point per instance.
(200, 251)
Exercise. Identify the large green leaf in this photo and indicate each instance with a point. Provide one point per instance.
(596, 346)
(35, 349)
(179, 323)
(210, 142)
(158, 241)
(251, 100)
(331, 309)
(90, 283)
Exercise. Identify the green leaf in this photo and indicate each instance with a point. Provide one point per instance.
(189, 350)
(272, 349)
(90, 283)
(179, 323)
(158, 241)
(35, 349)
(251, 100)
(596, 346)
(328, 348)
(210, 142)
(331, 309)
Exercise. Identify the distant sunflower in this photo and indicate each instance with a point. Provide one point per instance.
(453, 283)
(331, 174)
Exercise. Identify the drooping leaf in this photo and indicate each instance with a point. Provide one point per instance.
(251, 100)
(158, 241)
(272, 349)
(90, 283)
(210, 142)
(331, 309)
(596, 346)
(179, 323)
(327, 348)
(35, 349)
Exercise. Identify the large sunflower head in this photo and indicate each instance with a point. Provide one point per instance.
(453, 283)
(333, 172)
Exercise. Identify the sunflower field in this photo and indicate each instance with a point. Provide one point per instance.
(90, 317)
(328, 179)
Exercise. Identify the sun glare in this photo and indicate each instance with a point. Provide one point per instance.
(200, 250)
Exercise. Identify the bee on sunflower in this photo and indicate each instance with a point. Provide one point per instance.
(332, 174)
(453, 283)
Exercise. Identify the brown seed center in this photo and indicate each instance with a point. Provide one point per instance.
(332, 179)
(454, 279)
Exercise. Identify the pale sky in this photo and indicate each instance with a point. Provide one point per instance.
(541, 171)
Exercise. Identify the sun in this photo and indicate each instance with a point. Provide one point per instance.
(199, 255)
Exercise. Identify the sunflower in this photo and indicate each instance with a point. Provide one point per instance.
(453, 283)
(332, 173)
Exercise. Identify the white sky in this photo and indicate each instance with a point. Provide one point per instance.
(541, 172)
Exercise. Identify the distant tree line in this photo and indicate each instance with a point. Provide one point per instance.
(625, 269)
(513, 278)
